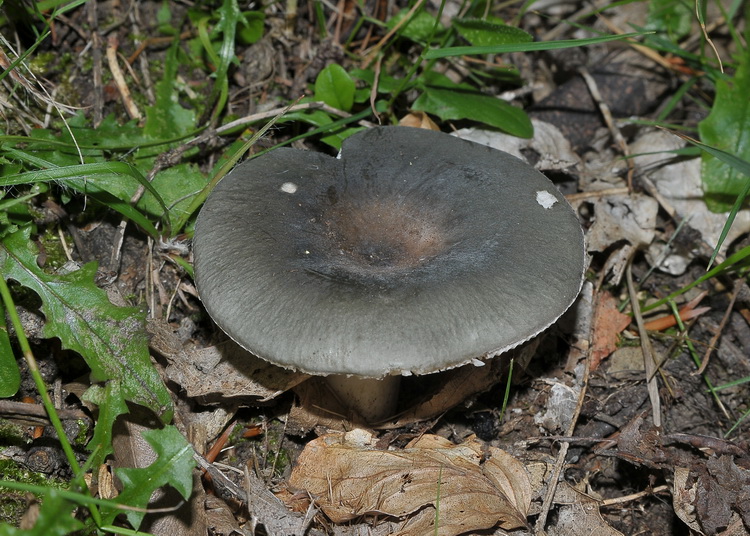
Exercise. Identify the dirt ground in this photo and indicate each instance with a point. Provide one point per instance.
(630, 452)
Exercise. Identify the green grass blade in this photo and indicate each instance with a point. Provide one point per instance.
(527, 47)
(741, 255)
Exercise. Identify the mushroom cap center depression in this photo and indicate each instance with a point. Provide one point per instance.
(381, 235)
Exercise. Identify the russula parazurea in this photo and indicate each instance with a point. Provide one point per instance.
(411, 252)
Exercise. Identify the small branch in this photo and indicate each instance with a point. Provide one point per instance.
(607, 115)
(648, 351)
(119, 79)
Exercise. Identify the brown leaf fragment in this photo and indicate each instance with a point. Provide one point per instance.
(349, 478)
(579, 514)
(723, 491)
(609, 322)
(418, 120)
(683, 499)
(219, 372)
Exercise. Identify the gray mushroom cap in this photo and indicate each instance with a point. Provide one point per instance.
(410, 253)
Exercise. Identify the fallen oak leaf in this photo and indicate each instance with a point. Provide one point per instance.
(349, 478)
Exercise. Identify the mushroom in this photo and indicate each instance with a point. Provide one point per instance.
(412, 252)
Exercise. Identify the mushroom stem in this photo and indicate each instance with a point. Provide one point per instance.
(372, 399)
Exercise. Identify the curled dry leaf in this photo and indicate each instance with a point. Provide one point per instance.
(473, 488)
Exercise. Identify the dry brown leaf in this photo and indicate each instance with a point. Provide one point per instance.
(219, 372)
(473, 489)
(608, 324)
(579, 514)
(418, 120)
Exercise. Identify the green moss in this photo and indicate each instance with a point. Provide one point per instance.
(12, 507)
(82, 437)
(41, 63)
(277, 457)
(11, 433)
(13, 503)
(10, 470)
(56, 257)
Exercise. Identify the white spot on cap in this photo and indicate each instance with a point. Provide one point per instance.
(546, 199)
(288, 188)
(477, 362)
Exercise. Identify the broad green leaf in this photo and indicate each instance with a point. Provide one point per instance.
(55, 518)
(173, 466)
(10, 377)
(673, 17)
(111, 404)
(727, 128)
(335, 87)
(177, 185)
(418, 29)
(251, 27)
(450, 104)
(481, 32)
(112, 340)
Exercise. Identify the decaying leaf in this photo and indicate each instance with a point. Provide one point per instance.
(579, 514)
(219, 372)
(679, 182)
(629, 217)
(418, 120)
(608, 324)
(464, 487)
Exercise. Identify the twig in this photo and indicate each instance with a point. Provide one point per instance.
(607, 115)
(34, 414)
(738, 285)
(565, 445)
(254, 118)
(634, 496)
(119, 79)
(96, 66)
(648, 351)
(580, 196)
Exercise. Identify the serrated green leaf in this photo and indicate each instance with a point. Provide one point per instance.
(111, 402)
(486, 32)
(112, 340)
(174, 466)
(335, 87)
(10, 377)
(449, 104)
(727, 128)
